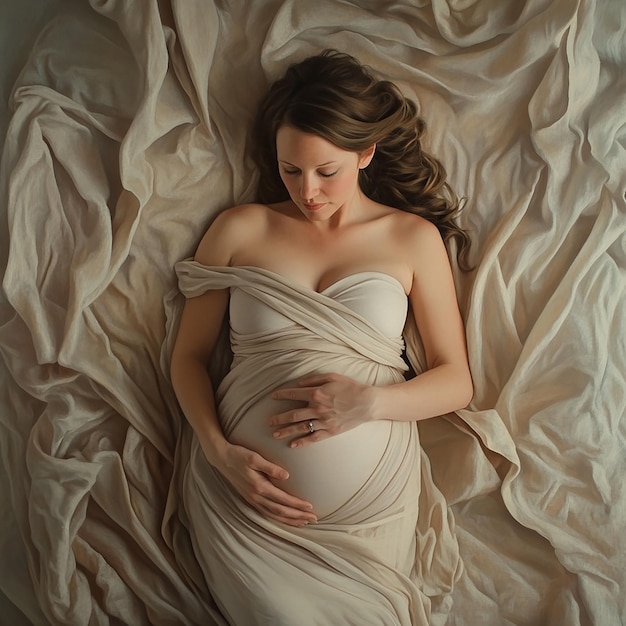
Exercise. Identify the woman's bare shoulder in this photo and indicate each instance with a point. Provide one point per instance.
(250, 214)
(242, 212)
(410, 226)
(230, 230)
(418, 238)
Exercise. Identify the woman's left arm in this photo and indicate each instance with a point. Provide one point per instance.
(336, 403)
(446, 384)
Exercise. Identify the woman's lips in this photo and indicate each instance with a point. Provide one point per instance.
(313, 207)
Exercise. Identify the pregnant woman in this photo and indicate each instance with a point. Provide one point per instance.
(305, 488)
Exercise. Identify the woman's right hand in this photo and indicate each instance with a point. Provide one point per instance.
(251, 476)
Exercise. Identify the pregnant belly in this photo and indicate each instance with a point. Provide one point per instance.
(326, 473)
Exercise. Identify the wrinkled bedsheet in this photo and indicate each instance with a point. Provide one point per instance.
(128, 133)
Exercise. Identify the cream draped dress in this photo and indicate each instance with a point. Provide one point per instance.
(370, 559)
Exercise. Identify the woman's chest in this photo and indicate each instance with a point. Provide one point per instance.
(319, 264)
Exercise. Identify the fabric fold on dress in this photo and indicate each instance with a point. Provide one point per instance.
(367, 560)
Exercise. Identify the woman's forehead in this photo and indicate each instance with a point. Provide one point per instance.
(293, 145)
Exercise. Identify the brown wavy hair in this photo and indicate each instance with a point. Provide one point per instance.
(333, 96)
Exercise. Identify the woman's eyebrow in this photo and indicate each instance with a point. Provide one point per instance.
(320, 165)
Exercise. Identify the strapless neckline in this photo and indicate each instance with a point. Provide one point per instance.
(340, 282)
(373, 298)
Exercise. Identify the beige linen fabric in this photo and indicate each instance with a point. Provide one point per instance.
(357, 565)
(128, 134)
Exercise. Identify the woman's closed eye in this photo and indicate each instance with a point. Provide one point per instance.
(322, 174)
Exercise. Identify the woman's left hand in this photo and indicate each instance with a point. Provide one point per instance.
(335, 404)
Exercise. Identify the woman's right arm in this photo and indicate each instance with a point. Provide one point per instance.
(247, 471)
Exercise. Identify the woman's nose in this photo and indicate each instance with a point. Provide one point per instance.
(308, 188)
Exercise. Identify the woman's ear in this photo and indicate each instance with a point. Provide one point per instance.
(366, 157)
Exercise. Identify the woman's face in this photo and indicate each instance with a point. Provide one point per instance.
(320, 177)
